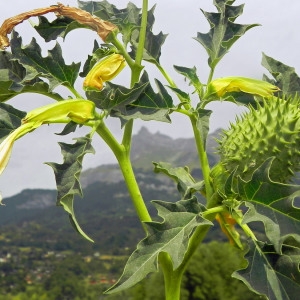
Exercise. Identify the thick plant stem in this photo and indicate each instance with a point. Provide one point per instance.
(140, 49)
(172, 278)
(133, 188)
(202, 157)
(122, 154)
(143, 31)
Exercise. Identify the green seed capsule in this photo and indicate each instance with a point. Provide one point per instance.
(271, 130)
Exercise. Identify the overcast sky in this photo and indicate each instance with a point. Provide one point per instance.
(278, 37)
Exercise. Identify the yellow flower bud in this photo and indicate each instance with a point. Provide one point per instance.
(221, 86)
(107, 69)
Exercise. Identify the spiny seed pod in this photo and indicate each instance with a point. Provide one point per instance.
(270, 130)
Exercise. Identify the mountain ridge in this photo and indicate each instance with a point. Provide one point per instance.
(148, 147)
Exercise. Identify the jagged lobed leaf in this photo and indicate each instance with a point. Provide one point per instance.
(128, 21)
(123, 18)
(203, 116)
(172, 235)
(191, 75)
(13, 82)
(273, 204)
(285, 76)
(186, 184)
(139, 102)
(52, 67)
(67, 176)
(10, 119)
(268, 273)
(224, 32)
(153, 43)
(59, 27)
(114, 97)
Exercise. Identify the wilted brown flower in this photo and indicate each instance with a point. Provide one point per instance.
(103, 28)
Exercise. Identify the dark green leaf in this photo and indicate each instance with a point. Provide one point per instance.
(191, 75)
(153, 43)
(273, 204)
(203, 116)
(126, 19)
(223, 31)
(67, 176)
(152, 49)
(70, 127)
(52, 67)
(149, 106)
(285, 77)
(10, 119)
(182, 94)
(58, 28)
(269, 273)
(172, 236)
(186, 184)
(139, 102)
(115, 96)
(12, 81)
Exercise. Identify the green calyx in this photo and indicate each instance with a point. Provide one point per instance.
(270, 130)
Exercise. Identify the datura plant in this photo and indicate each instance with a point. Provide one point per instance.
(255, 180)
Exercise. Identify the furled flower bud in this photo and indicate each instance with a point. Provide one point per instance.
(219, 88)
(107, 69)
(79, 111)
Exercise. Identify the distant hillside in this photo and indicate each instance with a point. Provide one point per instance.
(106, 212)
(150, 147)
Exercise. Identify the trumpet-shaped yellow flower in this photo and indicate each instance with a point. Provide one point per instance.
(221, 86)
(107, 69)
(79, 111)
(7, 144)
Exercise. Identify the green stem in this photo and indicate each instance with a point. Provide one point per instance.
(133, 188)
(187, 106)
(114, 40)
(122, 154)
(136, 71)
(74, 91)
(202, 158)
(172, 277)
(127, 135)
(143, 31)
(210, 76)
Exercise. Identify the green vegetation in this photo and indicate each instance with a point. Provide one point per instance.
(246, 186)
(63, 276)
